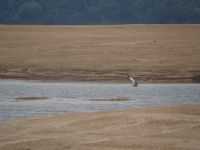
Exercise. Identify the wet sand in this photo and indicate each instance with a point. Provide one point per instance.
(161, 128)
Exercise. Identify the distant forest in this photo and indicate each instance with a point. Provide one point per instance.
(99, 11)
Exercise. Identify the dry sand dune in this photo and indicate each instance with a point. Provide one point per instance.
(155, 53)
(167, 128)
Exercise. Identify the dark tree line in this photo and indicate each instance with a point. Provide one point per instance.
(99, 11)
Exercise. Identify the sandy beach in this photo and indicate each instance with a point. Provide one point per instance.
(153, 53)
(161, 128)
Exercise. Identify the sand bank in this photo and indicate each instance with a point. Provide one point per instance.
(153, 53)
(166, 128)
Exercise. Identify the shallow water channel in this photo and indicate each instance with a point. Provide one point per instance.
(35, 98)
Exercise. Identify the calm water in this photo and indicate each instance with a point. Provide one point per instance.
(80, 97)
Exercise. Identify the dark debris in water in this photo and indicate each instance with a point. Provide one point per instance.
(120, 99)
(30, 98)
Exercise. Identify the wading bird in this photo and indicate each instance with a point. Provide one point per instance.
(133, 81)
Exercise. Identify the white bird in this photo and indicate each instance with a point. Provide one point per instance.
(133, 81)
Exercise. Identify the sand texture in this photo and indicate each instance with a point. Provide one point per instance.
(165, 128)
(153, 53)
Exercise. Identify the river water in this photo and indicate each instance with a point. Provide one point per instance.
(87, 97)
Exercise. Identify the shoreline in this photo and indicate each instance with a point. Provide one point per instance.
(166, 127)
(133, 108)
(98, 77)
